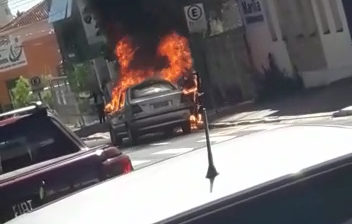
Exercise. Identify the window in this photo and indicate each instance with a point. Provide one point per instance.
(336, 15)
(323, 17)
(152, 89)
(347, 5)
(270, 21)
(25, 143)
(306, 18)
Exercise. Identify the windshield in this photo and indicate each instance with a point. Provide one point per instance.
(97, 90)
(152, 89)
(24, 143)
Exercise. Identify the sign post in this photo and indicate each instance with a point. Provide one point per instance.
(196, 18)
(37, 86)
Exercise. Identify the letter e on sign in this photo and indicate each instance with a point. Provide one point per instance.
(196, 19)
(36, 83)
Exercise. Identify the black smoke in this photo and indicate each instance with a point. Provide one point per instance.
(144, 21)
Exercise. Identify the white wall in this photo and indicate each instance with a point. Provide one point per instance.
(337, 48)
(261, 43)
(337, 45)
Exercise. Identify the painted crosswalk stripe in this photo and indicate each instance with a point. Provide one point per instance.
(227, 132)
(160, 144)
(217, 139)
(139, 162)
(173, 151)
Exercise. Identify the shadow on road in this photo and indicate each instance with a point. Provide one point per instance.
(318, 100)
(149, 139)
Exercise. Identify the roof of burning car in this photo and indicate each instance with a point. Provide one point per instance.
(149, 82)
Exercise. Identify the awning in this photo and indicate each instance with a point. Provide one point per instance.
(59, 10)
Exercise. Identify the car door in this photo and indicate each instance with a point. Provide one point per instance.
(75, 167)
(40, 163)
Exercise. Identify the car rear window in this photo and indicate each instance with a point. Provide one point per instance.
(151, 89)
(30, 141)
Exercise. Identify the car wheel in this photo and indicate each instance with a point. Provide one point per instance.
(132, 136)
(115, 140)
(186, 127)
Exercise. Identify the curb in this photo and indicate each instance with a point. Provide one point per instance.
(268, 120)
(342, 113)
(232, 124)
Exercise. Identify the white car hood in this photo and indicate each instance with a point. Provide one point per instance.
(177, 185)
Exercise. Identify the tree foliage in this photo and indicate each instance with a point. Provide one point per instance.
(21, 92)
(78, 78)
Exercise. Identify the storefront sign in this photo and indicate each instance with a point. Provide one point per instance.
(11, 53)
(252, 11)
(195, 17)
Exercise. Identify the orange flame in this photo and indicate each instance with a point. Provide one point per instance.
(172, 46)
(196, 121)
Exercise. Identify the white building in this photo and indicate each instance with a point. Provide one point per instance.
(313, 36)
(5, 13)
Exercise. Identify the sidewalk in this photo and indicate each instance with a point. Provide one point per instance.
(313, 103)
(323, 102)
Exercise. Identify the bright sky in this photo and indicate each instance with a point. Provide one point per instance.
(21, 5)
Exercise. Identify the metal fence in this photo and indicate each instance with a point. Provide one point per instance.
(65, 102)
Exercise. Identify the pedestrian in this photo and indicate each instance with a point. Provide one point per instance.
(199, 96)
(189, 86)
(99, 104)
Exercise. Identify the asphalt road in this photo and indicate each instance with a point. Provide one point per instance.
(156, 148)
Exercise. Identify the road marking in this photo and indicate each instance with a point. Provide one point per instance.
(160, 144)
(139, 162)
(263, 127)
(173, 151)
(227, 132)
(217, 139)
(101, 135)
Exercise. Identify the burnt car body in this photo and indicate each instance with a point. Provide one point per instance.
(151, 106)
(41, 160)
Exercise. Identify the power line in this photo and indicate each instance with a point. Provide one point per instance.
(17, 4)
(14, 2)
(5, 2)
(23, 3)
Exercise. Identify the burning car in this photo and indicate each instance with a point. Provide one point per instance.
(153, 105)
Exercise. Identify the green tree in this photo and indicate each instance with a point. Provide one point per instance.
(21, 92)
(78, 78)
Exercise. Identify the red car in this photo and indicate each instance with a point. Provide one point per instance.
(41, 160)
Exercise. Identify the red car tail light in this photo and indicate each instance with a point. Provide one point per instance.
(126, 165)
(116, 165)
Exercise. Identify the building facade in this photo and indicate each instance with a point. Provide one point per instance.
(37, 49)
(310, 37)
